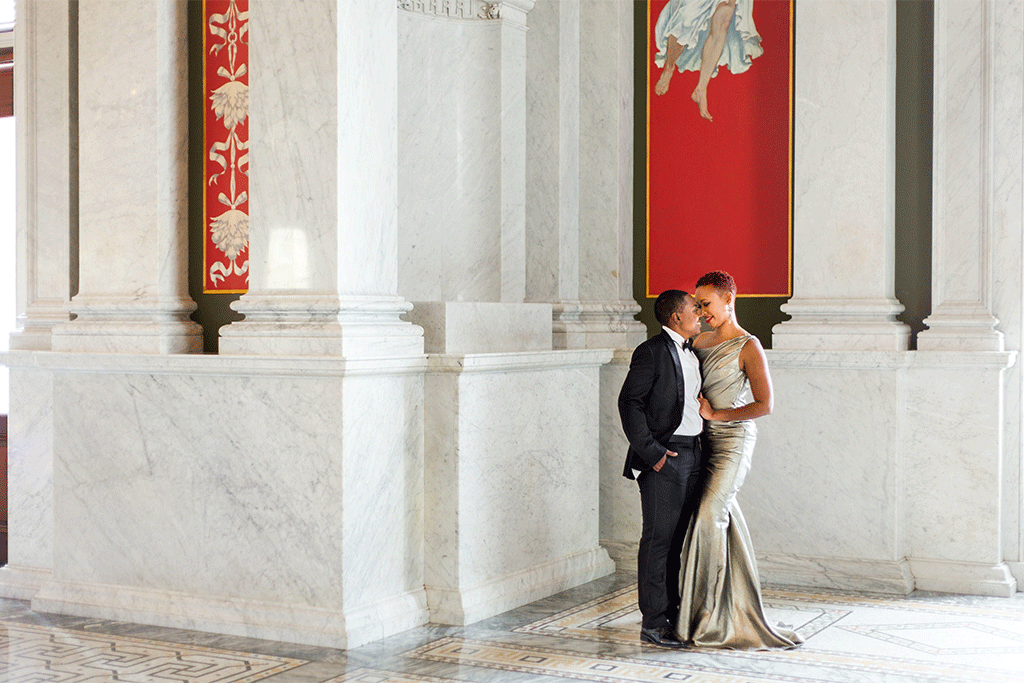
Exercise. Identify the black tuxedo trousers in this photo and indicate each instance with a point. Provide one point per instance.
(668, 499)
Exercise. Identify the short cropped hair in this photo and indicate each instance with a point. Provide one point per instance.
(668, 303)
(720, 280)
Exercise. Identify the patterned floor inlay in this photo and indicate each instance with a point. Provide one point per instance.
(38, 653)
(615, 618)
(867, 637)
(567, 664)
(589, 633)
(366, 675)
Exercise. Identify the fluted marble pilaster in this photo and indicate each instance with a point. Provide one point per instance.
(133, 139)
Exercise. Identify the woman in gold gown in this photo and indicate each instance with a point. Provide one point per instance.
(721, 596)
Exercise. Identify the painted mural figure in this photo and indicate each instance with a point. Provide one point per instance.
(702, 35)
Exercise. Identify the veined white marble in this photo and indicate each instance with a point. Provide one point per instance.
(328, 325)
(232, 494)
(579, 161)
(462, 142)
(29, 482)
(324, 235)
(843, 270)
(962, 150)
(456, 327)
(133, 139)
(620, 498)
(876, 467)
(876, 471)
(451, 123)
(1007, 265)
(953, 467)
(553, 179)
(43, 111)
(511, 479)
(606, 152)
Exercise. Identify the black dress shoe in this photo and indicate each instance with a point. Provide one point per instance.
(660, 635)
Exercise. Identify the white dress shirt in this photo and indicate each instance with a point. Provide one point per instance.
(692, 423)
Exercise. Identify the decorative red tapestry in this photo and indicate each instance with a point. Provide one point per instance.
(226, 141)
(719, 143)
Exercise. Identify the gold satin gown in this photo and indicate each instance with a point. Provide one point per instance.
(721, 596)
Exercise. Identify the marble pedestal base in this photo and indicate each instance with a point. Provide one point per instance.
(274, 498)
(511, 479)
(880, 471)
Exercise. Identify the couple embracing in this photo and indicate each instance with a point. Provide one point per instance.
(687, 408)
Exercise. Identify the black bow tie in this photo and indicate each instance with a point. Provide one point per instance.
(688, 344)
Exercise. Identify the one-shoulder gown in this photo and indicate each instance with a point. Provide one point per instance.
(721, 596)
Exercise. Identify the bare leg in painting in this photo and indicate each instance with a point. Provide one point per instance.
(674, 50)
(711, 53)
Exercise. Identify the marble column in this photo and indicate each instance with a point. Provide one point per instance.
(843, 233)
(579, 200)
(133, 193)
(44, 114)
(579, 180)
(962, 156)
(1008, 267)
(323, 233)
(44, 118)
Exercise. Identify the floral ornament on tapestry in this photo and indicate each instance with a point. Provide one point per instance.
(226, 135)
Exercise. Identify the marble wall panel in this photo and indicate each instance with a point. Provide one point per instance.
(450, 143)
(825, 475)
(383, 512)
(512, 479)
(154, 472)
(30, 474)
(528, 453)
(282, 504)
(954, 418)
(620, 520)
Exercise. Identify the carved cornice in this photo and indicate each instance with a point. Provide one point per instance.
(453, 9)
(466, 9)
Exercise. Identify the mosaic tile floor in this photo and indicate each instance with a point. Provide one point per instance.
(590, 633)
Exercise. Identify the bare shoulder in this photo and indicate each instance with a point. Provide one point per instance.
(752, 353)
(702, 340)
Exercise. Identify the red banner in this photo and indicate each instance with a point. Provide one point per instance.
(719, 148)
(226, 144)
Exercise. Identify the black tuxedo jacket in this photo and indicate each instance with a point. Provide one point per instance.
(651, 402)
